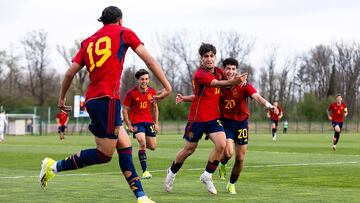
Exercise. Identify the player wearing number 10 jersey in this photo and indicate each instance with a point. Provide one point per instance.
(235, 114)
(103, 54)
(141, 115)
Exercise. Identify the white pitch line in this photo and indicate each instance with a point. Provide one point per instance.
(191, 169)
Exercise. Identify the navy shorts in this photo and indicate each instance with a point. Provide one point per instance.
(195, 130)
(105, 117)
(274, 121)
(236, 130)
(61, 129)
(334, 123)
(144, 127)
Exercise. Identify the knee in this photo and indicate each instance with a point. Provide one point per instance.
(220, 147)
(104, 158)
(228, 154)
(142, 145)
(151, 146)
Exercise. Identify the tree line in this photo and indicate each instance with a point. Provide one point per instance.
(304, 85)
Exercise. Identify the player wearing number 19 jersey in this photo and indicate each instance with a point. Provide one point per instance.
(103, 54)
(235, 114)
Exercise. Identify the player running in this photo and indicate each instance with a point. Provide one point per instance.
(235, 114)
(204, 117)
(62, 119)
(337, 112)
(103, 54)
(275, 118)
(142, 117)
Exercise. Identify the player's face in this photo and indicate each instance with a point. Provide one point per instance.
(230, 71)
(143, 81)
(339, 99)
(275, 104)
(208, 60)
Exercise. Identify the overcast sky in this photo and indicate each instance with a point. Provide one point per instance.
(293, 26)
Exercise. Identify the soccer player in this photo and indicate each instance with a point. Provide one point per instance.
(142, 117)
(337, 112)
(204, 117)
(103, 55)
(275, 118)
(62, 118)
(285, 126)
(235, 114)
(3, 124)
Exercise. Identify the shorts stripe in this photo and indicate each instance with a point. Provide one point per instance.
(111, 117)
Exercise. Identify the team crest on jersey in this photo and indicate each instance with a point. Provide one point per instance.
(137, 98)
(149, 96)
(235, 93)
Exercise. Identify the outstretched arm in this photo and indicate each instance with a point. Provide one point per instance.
(237, 80)
(184, 98)
(155, 69)
(260, 100)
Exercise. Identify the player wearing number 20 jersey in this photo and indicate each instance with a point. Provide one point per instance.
(233, 107)
(103, 54)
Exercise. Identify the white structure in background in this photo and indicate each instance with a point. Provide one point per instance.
(79, 107)
(22, 124)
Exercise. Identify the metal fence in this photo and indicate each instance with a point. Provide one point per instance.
(46, 124)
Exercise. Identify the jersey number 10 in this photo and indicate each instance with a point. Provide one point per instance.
(105, 52)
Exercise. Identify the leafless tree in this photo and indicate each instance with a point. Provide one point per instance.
(235, 45)
(81, 80)
(128, 80)
(348, 60)
(41, 80)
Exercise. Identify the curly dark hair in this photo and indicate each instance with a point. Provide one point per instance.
(110, 14)
(205, 48)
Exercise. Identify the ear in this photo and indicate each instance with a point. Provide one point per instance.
(120, 21)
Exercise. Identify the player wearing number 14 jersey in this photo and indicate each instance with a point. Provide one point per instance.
(103, 55)
(235, 114)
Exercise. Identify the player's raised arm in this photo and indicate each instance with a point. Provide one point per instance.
(155, 69)
(69, 76)
(260, 100)
(237, 80)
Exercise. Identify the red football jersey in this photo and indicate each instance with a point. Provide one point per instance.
(103, 54)
(62, 116)
(139, 104)
(337, 112)
(233, 102)
(205, 106)
(275, 117)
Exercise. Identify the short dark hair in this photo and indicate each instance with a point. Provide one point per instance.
(205, 48)
(230, 61)
(110, 14)
(140, 73)
(338, 95)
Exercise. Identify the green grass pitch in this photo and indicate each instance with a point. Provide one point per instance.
(295, 168)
